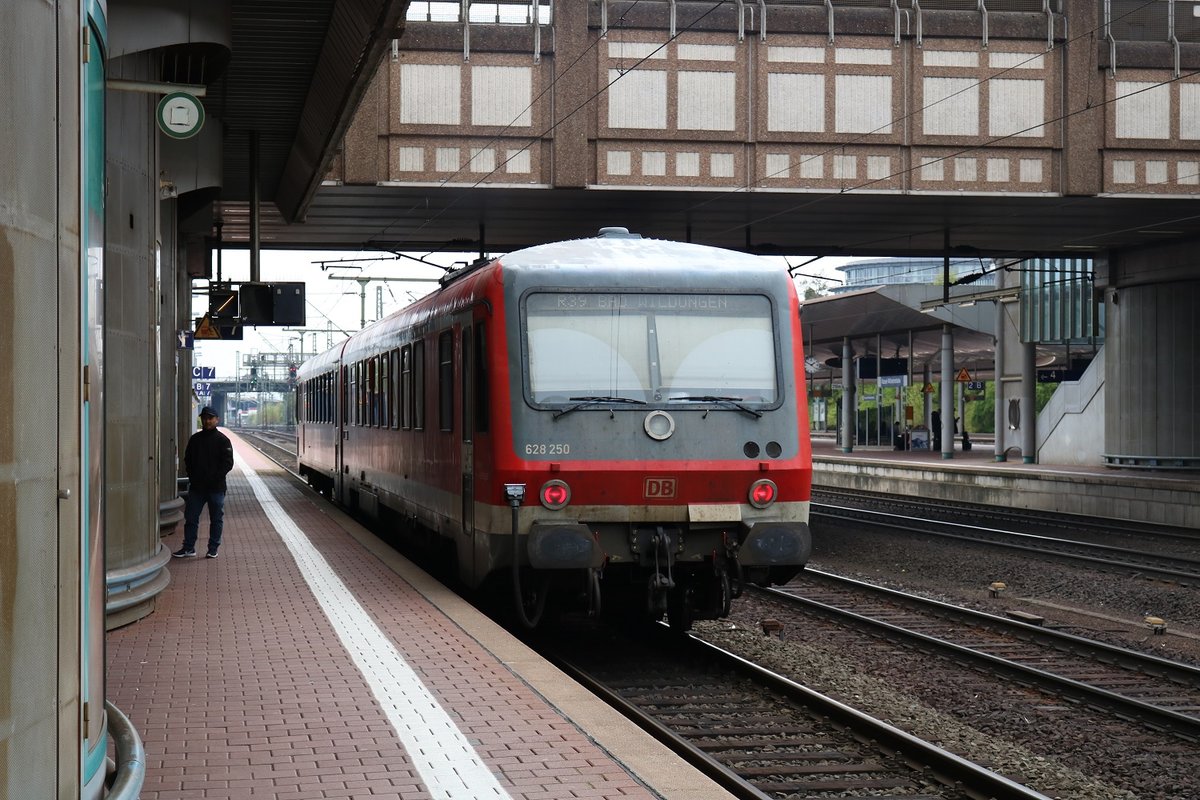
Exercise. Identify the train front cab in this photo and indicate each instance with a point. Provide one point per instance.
(661, 502)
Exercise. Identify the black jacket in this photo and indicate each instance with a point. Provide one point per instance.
(208, 458)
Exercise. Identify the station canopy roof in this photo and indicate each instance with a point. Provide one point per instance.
(889, 320)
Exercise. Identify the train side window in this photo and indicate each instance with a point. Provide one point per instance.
(345, 396)
(397, 402)
(481, 381)
(380, 409)
(446, 381)
(388, 389)
(360, 397)
(406, 387)
(330, 399)
(373, 391)
(418, 419)
(362, 393)
(358, 392)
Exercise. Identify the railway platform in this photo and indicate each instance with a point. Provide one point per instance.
(312, 661)
(1167, 497)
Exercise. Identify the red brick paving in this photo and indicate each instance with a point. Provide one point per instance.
(239, 688)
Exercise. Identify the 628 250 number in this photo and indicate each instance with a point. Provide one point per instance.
(547, 449)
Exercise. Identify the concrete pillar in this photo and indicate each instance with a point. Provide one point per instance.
(1152, 381)
(183, 419)
(572, 88)
(848, 391)
(170, 504)
(927, 399)
(1028, 403)
(1083, 134)
(947, 392)
(999, 411)
(136, 560)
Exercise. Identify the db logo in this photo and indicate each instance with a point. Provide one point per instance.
(659, 487)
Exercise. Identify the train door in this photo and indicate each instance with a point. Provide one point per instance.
(340, 432)
(467, 427)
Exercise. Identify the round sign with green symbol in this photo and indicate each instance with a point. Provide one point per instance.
(180, 115)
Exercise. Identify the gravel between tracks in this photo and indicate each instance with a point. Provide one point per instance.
(1063, 751)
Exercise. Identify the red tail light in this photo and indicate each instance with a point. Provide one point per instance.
(763, 493)
(555, 494)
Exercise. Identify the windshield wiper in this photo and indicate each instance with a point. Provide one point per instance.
(736, 402)
(591, 400)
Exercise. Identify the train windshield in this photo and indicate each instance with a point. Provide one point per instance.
(654, 348)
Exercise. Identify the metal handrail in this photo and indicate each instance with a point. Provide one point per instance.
(130, 772)
(131, 586)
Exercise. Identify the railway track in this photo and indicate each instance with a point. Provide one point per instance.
(1075, 527)
(758, 734)
(279, 446)
(762, 735)
(1181, 570)
(1157, 692)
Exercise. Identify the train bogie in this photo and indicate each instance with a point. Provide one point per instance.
(614, 421)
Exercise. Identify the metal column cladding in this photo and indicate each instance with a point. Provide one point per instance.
(43, 292)
(133, 259)
(1153, 381)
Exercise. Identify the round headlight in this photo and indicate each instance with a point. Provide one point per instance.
(555, 494)
(763, 493)
(659, 425)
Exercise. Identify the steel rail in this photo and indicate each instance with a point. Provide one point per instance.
(1182, 725)
(1187, 573)
(955, 769)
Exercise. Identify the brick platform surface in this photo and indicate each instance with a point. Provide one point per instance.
(240, 688)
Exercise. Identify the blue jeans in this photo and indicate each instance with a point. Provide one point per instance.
(196, 501)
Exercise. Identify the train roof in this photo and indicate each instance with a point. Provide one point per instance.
(616, 247)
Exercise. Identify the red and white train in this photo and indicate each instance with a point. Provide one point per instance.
(611, 418)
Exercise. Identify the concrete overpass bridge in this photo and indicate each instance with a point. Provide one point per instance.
(1003, 128)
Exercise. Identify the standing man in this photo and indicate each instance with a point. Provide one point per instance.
(208, 459)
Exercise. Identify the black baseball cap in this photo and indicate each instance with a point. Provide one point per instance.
(207, 412)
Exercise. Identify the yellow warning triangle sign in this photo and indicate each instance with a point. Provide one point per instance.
(962, 377)
(206, 329)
